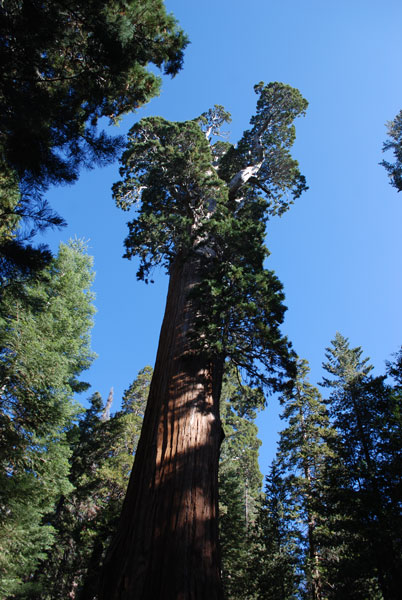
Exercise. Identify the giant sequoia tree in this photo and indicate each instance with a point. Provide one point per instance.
(202, 208)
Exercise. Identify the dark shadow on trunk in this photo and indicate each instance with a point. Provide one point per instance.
(166, 547)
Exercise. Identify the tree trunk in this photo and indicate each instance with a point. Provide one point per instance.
(166, 547)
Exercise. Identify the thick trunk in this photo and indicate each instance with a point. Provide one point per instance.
(167, 547)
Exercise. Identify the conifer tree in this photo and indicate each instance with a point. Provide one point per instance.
(390, 451)
(240, 482)
(202, 209)
(361, 408)
(297, 485)
(44, 332)
(85, 519)
(68, 65)
(394, 143)
(275, 558)
(302, 453)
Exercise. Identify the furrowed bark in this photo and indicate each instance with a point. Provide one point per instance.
(166, 547)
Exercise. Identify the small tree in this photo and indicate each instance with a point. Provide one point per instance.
(276, 556)
(303, 454)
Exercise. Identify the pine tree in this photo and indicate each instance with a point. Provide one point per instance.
(296, 495)
(85, 519)
(240, 482)
(44, 333)
(275, 560)
(303, 453)
(390, 451)
(202, 214)
(360, 408)
(68, 65)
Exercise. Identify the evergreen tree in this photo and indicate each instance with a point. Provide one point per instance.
(369, 534)
(292, 521)
(44, 332)
(275, 561)
(85, 519)
(303, 453)
(240, 483)
(68, 65)
(390, 452)
(202, 212)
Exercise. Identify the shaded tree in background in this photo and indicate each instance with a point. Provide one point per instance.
(240, 482)
(330, 527)
(86, 518)
(390, 450)
(288, 560)
(44, 332)
(201, 213)
(275, 557)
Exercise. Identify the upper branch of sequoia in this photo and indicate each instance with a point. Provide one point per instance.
(180, 178)
(263, 153)
(196, 195)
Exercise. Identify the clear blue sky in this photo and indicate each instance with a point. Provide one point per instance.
(338, 251)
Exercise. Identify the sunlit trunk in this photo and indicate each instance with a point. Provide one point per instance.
(167, 543)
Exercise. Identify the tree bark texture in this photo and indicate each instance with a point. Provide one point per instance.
(166, 547)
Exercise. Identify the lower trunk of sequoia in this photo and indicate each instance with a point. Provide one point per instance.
(166, 547)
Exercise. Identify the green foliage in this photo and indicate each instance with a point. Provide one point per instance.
(304, 450)
(363, 410)
(330, 527)
(196, 201)
(10, 195)
(394, 143)
(362, 487)
(44, 332)
(239, 484)
(268, 142)
(274, 562)
(68, 65)
(85, 519)
(290, 521)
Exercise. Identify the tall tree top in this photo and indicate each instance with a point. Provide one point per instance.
(182, 180)
(195, 195)
(345, 364)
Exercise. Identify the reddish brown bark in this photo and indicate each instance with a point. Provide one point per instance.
(167, 543)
